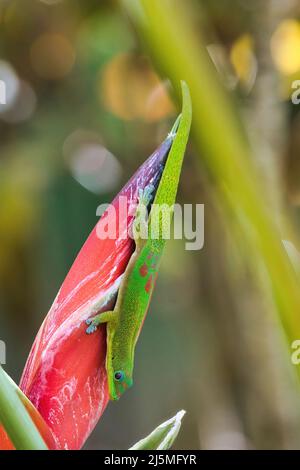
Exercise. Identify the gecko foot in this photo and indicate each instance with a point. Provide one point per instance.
(91, 329)
(146, 195)
(92, 326)
(94, 322)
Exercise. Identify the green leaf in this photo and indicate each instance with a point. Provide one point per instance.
(163, 436)
(15, 418)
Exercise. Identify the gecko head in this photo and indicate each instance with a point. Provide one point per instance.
(118, 384)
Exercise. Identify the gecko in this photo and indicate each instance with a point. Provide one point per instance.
(124, 322)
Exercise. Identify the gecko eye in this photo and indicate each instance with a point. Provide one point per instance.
(119, 375)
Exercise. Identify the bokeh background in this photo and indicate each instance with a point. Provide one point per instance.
(85, 107)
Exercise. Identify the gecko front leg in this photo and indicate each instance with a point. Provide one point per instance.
(99, 305)
(95, 321)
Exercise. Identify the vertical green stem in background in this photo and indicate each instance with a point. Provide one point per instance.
(221, 145)
(15, 418)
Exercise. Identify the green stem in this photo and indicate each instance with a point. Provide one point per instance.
(15, 418)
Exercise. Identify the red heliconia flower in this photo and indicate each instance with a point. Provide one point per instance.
(65, 375)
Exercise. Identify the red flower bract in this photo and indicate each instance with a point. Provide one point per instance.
(65, 376)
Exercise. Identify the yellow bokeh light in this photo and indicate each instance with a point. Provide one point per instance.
(131, 89)
(52, 56)
(243, 59)
(285, 47)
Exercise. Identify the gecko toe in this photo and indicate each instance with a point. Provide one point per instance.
(91, 329)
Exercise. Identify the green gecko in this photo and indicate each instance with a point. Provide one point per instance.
(126, 320)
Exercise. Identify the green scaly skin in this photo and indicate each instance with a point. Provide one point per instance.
(126, 320)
